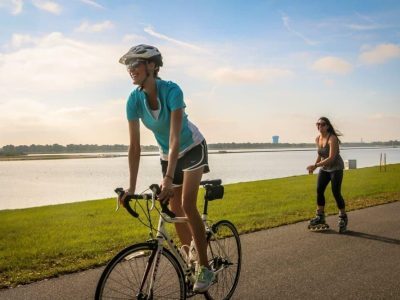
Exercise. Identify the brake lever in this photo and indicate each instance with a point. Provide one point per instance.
(117, 208)
(120, 192)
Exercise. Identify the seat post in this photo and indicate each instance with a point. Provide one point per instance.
(205, 205)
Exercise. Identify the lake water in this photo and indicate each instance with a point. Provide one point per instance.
(43, 182)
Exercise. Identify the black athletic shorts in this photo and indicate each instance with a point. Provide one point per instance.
(195, 158)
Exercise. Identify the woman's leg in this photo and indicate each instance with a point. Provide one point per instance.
(336, 183)
(191, 182)
(323, 180)
(182, 229)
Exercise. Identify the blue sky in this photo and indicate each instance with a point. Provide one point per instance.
(248, 69)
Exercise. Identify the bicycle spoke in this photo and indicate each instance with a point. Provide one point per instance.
(123, 277)
(224, 249)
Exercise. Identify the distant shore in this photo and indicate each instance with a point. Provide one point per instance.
(56, 156)
(113, 155)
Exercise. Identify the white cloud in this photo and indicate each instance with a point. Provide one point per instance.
(237, 75)
(32, 122)
(92, 3)
(364, 27)
(368, 23)
(97, 27)
(286, 23)
(56, 63)
(151, 31)
(380, 54)
(49, 6)
(334, 65)
(14, 6)
(20, 40)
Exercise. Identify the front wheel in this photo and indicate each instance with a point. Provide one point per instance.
(142, 272)
(225, 255)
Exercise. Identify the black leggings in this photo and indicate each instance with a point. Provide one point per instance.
(335, 178)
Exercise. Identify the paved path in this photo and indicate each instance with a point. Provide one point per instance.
(289, 262)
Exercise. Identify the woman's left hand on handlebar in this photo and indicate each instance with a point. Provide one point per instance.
(166, 189)
(126, 193)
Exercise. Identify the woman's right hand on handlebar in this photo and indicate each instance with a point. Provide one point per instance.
(166, 190)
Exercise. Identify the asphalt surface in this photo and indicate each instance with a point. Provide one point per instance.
(289, 262)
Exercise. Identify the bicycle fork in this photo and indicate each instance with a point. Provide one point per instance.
(151, 270)
(153, 263)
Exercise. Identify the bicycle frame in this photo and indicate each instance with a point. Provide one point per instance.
(163, 236)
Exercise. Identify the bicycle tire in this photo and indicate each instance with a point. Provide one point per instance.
(122, 277)
(225, 254)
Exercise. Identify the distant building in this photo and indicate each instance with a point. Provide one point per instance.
(275, 139)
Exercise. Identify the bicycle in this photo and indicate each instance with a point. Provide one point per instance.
(157, 269)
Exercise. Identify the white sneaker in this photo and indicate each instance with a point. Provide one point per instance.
(204, 279)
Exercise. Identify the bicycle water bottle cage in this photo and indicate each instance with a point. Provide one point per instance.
(214, 192)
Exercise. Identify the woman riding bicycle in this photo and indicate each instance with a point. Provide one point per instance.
(183, 149)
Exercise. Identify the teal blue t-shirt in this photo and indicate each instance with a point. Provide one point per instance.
(170, 98)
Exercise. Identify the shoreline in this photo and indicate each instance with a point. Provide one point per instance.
(111, 155)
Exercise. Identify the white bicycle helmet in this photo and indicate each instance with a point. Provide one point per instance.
(142, 51)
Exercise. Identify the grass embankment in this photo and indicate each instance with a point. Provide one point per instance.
(43, 242)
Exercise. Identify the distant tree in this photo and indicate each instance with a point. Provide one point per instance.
(85, 148)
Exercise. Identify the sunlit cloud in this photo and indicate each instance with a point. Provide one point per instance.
(49, 6)
(368, 23)
(65, 125)
(332, 65)
(92, 3)
(57, 63)
(380, 54)
(286, 23)
(21, 40)
(97, 27)
(151, 31)
(15, 7)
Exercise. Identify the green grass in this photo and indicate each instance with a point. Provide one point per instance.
(44, 242)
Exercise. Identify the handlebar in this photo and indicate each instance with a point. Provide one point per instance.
(156, 190)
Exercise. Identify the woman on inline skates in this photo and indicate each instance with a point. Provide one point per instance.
(183, 150)
(331, 170)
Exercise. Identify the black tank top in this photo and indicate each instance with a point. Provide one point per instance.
(336, 164)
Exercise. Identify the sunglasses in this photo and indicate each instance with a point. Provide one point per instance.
(134, 65)
(320, 124)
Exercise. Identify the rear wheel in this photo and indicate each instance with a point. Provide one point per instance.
(130, 272)
(225, 254)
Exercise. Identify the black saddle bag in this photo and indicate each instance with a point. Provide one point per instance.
(214, 192)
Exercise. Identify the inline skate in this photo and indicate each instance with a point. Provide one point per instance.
(342, 223)
(318, 223)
